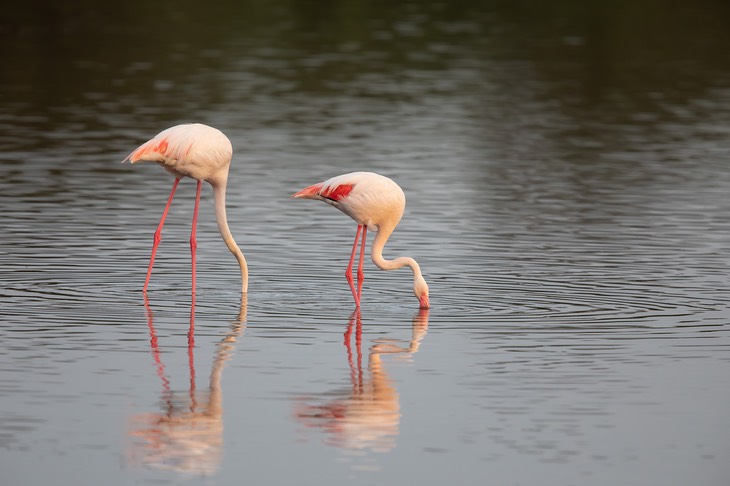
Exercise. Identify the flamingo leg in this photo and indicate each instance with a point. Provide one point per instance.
(158, 235)
(348, 272)
(191, 328)
(360, 273)
(193, 241)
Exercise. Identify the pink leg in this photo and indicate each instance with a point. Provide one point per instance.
(348, 272)
(158, 235)
(193, 241)
(360, 273)
(191, 329)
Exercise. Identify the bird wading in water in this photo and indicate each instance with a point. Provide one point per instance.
(376, 203)
(202, 153)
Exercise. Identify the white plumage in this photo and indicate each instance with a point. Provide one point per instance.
(203, 153)
(376, 203)
(191, 150)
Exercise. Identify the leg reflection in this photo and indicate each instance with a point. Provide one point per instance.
(187, 435)
(365, 417)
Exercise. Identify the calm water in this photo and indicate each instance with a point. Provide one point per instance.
(566, 168)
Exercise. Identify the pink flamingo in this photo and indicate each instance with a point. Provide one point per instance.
(202, 153)
(375, 202)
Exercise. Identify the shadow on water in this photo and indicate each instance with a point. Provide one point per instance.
(187, 436)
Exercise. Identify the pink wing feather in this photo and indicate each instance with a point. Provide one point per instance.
(171, 144)
(153, 150)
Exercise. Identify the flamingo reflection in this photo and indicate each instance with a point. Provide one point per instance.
(187, 435)
(365, 417)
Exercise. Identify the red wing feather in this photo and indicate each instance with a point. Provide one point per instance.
(337, 192)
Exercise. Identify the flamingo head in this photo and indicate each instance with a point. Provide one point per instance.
(420, 288)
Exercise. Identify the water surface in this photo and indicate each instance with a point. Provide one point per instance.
(566, 174)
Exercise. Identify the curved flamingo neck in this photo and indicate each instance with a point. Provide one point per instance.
(219, 196)
(376, 253)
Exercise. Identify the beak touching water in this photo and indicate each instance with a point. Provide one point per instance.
(423, 299)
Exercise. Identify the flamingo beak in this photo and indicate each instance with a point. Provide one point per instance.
(424, 301)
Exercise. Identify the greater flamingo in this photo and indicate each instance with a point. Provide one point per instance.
(202, 153)
(375, 202)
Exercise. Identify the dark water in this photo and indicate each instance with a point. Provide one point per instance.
(566, 168)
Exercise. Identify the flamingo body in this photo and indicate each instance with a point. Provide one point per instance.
(191, 150)
(203, 153)
(368, 198)
(376, 203)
